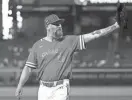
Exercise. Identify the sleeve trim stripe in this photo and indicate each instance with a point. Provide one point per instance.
(80, 42)
(30, 65)
(83, 43)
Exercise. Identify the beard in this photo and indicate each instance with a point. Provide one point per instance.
(58, 35)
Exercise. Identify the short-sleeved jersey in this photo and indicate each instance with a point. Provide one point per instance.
(53, 59)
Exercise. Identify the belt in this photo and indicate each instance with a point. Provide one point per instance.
(52, 84)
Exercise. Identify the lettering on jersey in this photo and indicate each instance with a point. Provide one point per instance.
(61, 57)
(52, 52)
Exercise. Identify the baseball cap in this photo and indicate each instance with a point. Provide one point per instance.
(53, 19)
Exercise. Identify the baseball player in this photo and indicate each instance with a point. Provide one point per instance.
(52, 56)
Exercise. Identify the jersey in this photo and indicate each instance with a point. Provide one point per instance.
(53, 59)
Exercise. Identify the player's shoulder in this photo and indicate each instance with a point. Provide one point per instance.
(71, 37)
(39, 41)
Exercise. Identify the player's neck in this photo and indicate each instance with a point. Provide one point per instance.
(50, 39)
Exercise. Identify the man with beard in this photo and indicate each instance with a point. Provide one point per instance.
(52, 56)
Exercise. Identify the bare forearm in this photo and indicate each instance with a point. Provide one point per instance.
(24, 76)
(105, 31)
(99, 33)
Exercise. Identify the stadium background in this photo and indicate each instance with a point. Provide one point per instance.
(101, 72)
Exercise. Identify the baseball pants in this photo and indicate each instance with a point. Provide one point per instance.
(59, 92)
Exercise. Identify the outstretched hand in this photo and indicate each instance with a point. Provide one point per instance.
(121, 15)
(117, 25)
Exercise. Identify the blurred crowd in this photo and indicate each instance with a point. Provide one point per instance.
(14, 54)
(14, 62)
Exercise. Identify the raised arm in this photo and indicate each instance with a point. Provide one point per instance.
(99, 33)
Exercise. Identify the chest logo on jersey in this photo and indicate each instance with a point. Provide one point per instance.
(50, 52)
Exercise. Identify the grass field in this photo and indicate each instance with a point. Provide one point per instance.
(77, 93)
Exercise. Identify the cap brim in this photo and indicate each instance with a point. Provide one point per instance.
(60, 21)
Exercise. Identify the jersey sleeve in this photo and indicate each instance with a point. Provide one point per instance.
(32, 58)
(78, 42)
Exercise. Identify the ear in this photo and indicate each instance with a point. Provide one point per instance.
(48, 27)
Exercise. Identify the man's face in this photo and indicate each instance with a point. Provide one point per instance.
(57, 31)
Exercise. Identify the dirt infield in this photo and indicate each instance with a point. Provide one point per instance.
(75, 91)
(77, 98)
